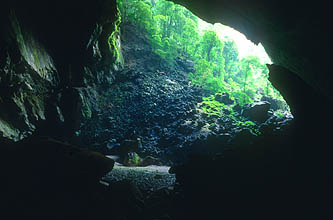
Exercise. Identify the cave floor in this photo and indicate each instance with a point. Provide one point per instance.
(147, 179)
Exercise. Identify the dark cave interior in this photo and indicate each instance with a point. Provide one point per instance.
(55, 60)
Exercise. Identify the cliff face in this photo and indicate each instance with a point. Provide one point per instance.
(28, 78)
(46, 76)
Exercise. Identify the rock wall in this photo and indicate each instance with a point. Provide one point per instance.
(54, 55)
(27, 78)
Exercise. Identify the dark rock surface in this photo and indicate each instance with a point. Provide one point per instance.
(275, 104)
(257, 111)
(27, 79)
(46, 76)
(267, 180)
(42, 176)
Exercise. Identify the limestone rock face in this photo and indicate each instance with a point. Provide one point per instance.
(53, 57)
(27, 76)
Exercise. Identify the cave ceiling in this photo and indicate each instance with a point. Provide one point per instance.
(296, 34)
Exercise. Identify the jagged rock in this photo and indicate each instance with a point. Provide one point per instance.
(77, 106)
(24, 95)
(275, 104)
(257, 111)
(276, 124)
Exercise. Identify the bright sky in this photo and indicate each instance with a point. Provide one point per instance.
(245, 47)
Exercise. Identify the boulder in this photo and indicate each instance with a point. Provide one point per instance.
(224, 98)
(257, 111)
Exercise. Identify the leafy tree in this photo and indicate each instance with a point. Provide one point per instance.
(230, 55)
(204, 76)
(211, 46)
(190, 37)
(173, 31)
(144, 16)
(165, 8)
(203, 70)
(248, 67)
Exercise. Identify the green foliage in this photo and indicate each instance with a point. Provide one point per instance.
(133, 159)
(171, 28)
(241, 98)
(279, 114)
(212, 107)
(211, 46)
(173, 31)
(230, 55)
(250, 125)
(112, 41)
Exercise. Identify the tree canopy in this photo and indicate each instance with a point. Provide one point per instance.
(174, 32)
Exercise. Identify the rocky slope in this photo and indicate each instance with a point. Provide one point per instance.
(153, 109)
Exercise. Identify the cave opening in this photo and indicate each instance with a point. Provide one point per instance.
(59, 96)
(181, 83)
(183, 87)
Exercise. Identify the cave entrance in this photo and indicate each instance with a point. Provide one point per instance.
(185, 87)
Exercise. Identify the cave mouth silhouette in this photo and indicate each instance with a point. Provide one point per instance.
(135, 51)
(301, 184)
